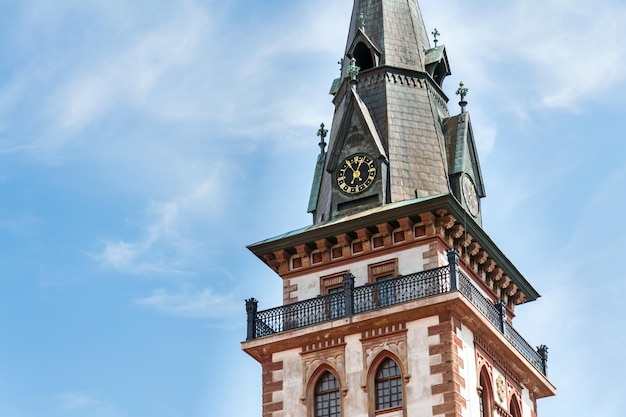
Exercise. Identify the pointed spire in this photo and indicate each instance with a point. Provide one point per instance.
(406, 29)
(462, 92)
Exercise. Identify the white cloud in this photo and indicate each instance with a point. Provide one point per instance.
(127, 77)
(189, 303)
(168, 243)
(563, 49)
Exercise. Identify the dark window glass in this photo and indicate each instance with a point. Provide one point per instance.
(327, 400)
(388, 384)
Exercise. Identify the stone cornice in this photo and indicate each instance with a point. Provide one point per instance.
(403, 223)
(412, 78)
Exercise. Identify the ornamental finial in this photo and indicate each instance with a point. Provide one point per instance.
(322, 134)
(435, 34)
(353, 70)
(362, 20)
(462, 92)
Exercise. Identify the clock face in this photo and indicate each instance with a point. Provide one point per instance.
(356, 173)
(470, 195)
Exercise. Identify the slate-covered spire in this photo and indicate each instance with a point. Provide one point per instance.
(390, 109)
(395, 26)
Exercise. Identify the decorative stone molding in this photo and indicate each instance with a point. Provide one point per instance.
(388, 340)
(473, 248)
(429, 219)
(441, 227)
(485, 355)
(320, 356)
(304, 251)
(345, 241)
(365, 237)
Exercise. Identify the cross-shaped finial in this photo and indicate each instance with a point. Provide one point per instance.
(322, 134)
(435, 34)
(362, 19)
(353, 70)
(462, 92)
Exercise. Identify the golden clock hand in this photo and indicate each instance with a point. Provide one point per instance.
(358, 168)
(355, 175)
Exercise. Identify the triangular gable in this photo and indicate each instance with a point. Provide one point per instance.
(437, 64)
(362, 37)
(317, 182)
(355, 105)
(461, 150)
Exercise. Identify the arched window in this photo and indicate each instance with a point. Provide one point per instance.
(485, 393)
(514, 407)
(327, 397)
(388, 385)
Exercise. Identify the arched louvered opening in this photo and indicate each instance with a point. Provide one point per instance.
(363, 56)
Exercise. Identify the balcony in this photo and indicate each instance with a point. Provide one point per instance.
(354, 300)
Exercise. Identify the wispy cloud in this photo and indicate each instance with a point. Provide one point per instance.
(23, 224)
(558, 47)
(85, 404)
(168, 242)
(77, 400)
(128, 77)
(190, 303)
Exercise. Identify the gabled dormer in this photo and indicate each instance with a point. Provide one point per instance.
(466, 181)
(357, 163)
(437, 64)
(366, 54)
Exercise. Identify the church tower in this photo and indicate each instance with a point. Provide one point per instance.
(396, 301)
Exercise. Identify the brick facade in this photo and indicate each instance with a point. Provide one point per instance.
(272, 383)
(449, 366)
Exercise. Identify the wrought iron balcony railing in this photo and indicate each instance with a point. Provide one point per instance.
(354, 300)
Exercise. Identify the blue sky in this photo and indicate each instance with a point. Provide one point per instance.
(143, 144)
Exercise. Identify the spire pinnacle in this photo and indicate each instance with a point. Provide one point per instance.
(322, 134)
(362, 20)
(435, 33)
(462, 92)
(353, 70)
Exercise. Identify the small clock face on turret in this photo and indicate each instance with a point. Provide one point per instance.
(470, 195)
(356, 174)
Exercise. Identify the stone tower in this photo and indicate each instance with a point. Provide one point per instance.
(396, 301)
